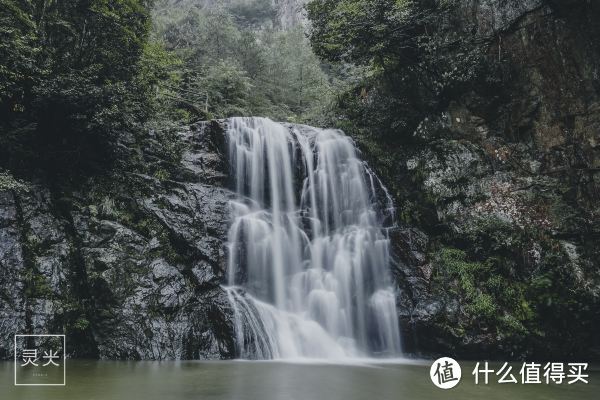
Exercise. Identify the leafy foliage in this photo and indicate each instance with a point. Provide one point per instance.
(70, 80)
(417, 58)
(491, 299)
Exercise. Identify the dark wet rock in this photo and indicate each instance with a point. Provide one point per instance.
(132, 272)
(12, 310)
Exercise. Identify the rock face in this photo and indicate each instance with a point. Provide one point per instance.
(290, 12)
(504, 187)
(285, 14)
(126, 273)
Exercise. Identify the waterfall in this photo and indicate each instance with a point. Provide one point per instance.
(309, 260)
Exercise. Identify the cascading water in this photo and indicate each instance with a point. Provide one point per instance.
(309, 274)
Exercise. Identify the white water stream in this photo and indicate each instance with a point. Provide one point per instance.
(309, 259)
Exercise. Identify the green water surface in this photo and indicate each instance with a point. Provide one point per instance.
(240, 380)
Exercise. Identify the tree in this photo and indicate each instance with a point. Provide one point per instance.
(415, 54)
(228, 49)
(69, 72)
(227, 90)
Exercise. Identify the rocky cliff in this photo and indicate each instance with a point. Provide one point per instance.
(128, 267)
(502, 190)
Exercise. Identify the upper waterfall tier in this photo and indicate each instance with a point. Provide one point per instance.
(308, 257)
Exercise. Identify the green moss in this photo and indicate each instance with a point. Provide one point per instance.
(519, 284)
(488, 299)
(162, 174)
(482, 304)
(36, 285)
(81, 324)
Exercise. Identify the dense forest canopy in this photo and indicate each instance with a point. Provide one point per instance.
(72, 79)
(236, 60)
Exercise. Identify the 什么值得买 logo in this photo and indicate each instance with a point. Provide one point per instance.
(445, 373)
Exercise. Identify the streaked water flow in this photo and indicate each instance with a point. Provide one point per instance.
(308, 256)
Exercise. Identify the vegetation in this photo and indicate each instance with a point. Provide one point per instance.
(500, 295)
(72, 80)
(236, 60)
(82, 81)
(416, 57)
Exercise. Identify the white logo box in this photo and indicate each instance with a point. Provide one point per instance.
(64, 341)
